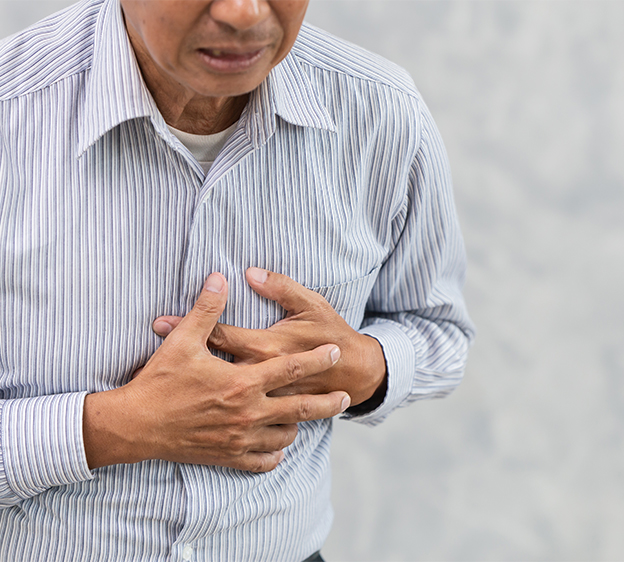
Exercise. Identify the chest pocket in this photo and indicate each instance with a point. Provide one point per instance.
(349, 298)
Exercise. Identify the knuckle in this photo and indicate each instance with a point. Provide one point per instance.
(208, 306)
(217, 337)
(290, 290)
(316, 302)
(236, 443)
(247, 420)
(236, 448)
(290, 436)
(260, 464)
(243, 419)
(252, 466)
(294, 369)
(305, 410)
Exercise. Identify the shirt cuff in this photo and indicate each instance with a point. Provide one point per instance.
(400, 356)
(41, 443)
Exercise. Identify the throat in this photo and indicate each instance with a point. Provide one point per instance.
(207, 116)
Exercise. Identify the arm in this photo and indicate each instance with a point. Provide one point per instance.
(188, 406)
(40, 436)
(185, 406)
(416, 310)
(414, 340)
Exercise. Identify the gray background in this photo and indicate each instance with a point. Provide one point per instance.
(525, 461)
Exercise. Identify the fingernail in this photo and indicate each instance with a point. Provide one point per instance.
(162, 328)
(280, 457)
(346, 402)
(257, 274)
(335, 354)
(214, 283)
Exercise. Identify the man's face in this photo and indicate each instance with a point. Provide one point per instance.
(214, 48)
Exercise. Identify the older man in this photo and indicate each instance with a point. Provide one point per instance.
(189, 161)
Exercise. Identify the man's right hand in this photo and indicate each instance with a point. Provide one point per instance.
(188, 406)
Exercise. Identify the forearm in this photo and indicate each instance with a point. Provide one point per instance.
(109, 431)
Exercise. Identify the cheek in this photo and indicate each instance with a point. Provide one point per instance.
(164, 44)
(161, 24)
(290, 14)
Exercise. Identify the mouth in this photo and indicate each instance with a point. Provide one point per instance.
(230, 61)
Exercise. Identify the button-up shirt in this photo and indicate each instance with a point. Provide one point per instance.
(335, 176)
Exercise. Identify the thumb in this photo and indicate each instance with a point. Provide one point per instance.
(202, 318)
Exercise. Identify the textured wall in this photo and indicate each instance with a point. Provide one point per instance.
(526, 460)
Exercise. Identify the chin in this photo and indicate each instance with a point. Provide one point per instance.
(226, 90)
(228, 84)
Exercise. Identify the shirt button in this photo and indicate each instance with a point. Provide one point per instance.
(187, 553)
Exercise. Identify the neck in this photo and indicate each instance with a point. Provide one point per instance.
(183, 109)
(201, 116)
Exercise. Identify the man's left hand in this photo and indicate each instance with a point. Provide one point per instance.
(309, 323)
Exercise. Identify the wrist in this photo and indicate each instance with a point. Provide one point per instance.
(108, 431)
(374, 367)
(372, 403)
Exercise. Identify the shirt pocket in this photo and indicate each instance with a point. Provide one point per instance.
(349, 298)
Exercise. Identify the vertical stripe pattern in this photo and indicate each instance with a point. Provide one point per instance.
(335, 176)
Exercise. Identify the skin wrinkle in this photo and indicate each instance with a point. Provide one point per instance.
(169, 36)
(200, 58)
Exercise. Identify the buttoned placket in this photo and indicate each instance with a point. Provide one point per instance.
(203, 514)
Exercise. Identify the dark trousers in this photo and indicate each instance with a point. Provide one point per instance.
(316, 557)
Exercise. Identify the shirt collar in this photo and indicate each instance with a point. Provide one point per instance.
(115, 91)
(287, 92)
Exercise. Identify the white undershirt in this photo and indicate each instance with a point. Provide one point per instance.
(204, 147)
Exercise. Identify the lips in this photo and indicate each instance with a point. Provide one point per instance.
(224, 60)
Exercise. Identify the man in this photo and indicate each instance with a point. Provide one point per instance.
(195, 161)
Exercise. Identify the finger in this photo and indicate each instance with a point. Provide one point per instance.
(273, 438)
(243, 343)
(308, 407)
(259, 462)
(282, 371)
(309, 385)
(289, 294)
(164, 325)
(202, 318)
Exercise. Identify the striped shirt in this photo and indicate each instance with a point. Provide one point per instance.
(335, 175)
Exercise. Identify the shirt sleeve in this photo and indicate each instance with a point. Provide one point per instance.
(41, 445)
(416, 309)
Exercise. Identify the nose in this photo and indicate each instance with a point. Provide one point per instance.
(240, 14)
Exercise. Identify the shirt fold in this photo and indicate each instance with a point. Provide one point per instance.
(335, 175)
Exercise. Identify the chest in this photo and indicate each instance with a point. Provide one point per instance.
(94, 250)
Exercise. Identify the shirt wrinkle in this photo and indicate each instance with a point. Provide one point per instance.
(287, 92)
(319, 181)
